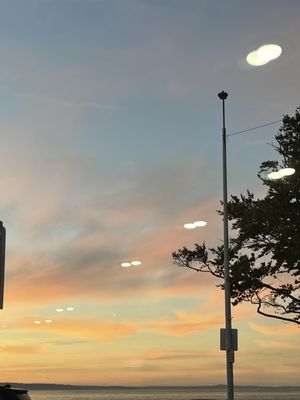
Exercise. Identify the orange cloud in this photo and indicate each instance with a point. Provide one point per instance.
(179, 355)
(187, 323)
(277, 345)
(32, 280)
(182, 323)
(279, 330)
(87, 329)
(20, 349)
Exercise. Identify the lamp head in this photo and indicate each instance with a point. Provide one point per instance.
(223, 95)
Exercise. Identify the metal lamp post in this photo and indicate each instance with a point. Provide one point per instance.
(227, 339)
(2, 262)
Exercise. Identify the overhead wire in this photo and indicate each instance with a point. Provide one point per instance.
(254, 128)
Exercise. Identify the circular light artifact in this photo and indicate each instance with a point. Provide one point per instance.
(255, 60)
(37, 322)
(189, 226)
(70, 308)
(264, 54)
(48, 321)
(200, 224)
(195, 224)
(281, 173)
(59, 309)
(136, 262)
(287, 171)
(269, 52)
(274, 175)
(126, 265)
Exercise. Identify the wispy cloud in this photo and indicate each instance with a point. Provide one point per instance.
(21, 349)
(182, 323)
(272, 344)
(278, 330)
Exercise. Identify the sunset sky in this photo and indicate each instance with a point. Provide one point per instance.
(110, 130)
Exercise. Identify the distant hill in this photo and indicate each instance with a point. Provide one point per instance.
(216, 388)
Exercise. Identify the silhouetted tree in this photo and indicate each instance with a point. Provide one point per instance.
(265, 252)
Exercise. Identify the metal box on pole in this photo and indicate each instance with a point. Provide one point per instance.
(234, 340)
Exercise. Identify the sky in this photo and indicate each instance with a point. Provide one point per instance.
(110, 130)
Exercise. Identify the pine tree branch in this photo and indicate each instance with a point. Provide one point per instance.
(259, 311)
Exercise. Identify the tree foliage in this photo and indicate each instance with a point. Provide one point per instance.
(265, 250)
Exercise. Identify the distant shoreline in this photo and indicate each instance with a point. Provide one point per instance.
(215, 388)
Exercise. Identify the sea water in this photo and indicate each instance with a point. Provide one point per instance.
(158, 394)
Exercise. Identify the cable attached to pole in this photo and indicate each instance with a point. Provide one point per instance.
(254, 128)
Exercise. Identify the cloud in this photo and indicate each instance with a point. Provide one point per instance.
(21, 349)
(166, 355)
(80, 253)
(272, 344)
(279, 330)
(181, 324)
(186, 323)
(86, 329)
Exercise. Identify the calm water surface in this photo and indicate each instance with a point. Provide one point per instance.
(142, 394)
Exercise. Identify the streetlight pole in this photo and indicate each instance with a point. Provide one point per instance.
(229, 345)
(2, 262)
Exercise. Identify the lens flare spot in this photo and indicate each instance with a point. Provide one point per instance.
(269, 52)
(255, 60)
(264, 54)
(126, 264)
(189, 226)
(136, 263)
(287, 171)
(200, 224)
(274, 175)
